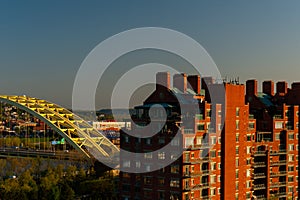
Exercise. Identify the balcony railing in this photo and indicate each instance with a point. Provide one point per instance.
(281, 151)
(259, 187)
(278, 184)
(278, 117)
(280, 162)
(259, 153)
(280, 173)
(259, 175)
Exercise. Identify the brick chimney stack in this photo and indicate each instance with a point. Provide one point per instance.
(268, 87)
(194, 83)
(180, 82)
(281, 87)
(163, 80)
(251, 87)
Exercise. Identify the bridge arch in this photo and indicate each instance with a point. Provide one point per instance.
(76, 131)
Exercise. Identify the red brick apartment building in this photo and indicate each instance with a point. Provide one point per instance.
(253, 156)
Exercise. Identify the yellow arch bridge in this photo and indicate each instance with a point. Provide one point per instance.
(77, 132)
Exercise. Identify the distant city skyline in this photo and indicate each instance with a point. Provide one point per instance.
(42, 44)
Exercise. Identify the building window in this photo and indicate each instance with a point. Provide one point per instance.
(174, 183)
(126, 163)
(236, 174)
(213, 179)
(237, 111)
(219, 166)
(248, 149)
(138, 164)
(161, 181)
(248, 195)
(290, 168)
(236, 162)
(237, 186)
(290, 179)
(237, 137)
(175, 169)
(279, 125)
(236, 196)
(291, 158)
(212, 154)
(161, 155)
(219, 113)
(161, 195)
(219, 153)
(175, 142)
(237, 124)
(189, 142)
(148, 168)
(126, 139)
(213, 191)
(148, 155)
(237, 150)
(291, 136)
(291, 189)
(219, 127)
(161, 140)
(248, 161)
(248, 172)
(201, 127)
(219, 178)
(251, 125)
(199, 140)
(147, 180)
(219, 140)
(208, 113)
(248, 137)
(291, 147)
(213, 140)
(248, 184)
(277, 136)
(213, 166)
(148, 141)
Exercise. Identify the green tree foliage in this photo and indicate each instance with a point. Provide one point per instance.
(54, 183)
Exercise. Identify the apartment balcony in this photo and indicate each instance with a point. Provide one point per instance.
(259, 175)
(195, 173)
(261, 197)
(278, 184)
(280, 152)
(280, 173)
(259, 187)
(200, 146)
(196, 160)
(278, 117)
(259, 164)
(278, 163)
(251, 116)
(260, 153)
(204, 185)
(205, 197)
(282, 194)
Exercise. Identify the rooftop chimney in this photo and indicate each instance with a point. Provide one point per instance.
(162, 80)
(281, 87)
(251, 87)
(194, 83)
(180, 82)
(296, 86)
(268, 87)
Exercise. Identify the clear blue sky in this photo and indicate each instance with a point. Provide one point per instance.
(42, 43)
